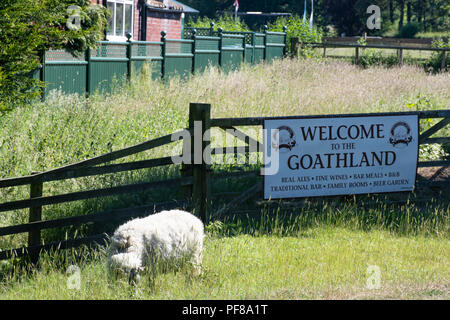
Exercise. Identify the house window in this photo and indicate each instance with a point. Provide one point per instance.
(121, 20)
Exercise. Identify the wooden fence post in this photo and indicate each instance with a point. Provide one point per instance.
(285, 42)
(298, 47)
(35, 214)
(400, 56)
(200, 113)
(444, 60)
(356, 55)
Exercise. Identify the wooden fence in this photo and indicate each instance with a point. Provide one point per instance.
(97, 69)
(400, 47)
(383, 41)
(195, 182)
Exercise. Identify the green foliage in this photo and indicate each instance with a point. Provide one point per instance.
(429, 151)
(374, 57)
(226, 22)
(435, 62)
(409, 30)
(307, 254)
(434, 35)
(297, 29)
(346, 16)
(30, 27)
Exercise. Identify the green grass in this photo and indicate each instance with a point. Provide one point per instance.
(319, 262)
(434, 34)
(321, 251)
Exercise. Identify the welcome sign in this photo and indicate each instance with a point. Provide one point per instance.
(339, 156)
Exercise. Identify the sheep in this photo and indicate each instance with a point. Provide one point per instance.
(167, 236)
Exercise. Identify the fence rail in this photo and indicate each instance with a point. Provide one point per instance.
(426, 43)
(115, 61)
(82, 169)
(195, 183)
(399, 47)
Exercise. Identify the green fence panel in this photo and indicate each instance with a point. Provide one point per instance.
(275, 44)
(178, 58)
(207, 53)
(108, 66)
(188, 32)
(154, 67)
(64, 72)
(259, 47)
(113, 62)
(248, 53)
(232, 52)
(147, 53)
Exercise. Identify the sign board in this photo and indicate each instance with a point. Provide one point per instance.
(324, 156)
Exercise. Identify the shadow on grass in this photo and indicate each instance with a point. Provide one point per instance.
(383, 212)
(389, 212)
(254, 217)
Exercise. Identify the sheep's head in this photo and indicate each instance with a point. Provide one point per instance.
(120, 243)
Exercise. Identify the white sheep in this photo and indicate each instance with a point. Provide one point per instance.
(167, 236)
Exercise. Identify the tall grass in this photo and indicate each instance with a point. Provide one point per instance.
(272, 259)
(65, 129)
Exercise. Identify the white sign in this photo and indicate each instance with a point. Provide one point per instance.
(342, 155)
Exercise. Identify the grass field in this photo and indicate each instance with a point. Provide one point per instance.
(317, 252)
(318, 263)
(434, 35)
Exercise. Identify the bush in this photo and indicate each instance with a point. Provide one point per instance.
(373, 57)
(298, 29)
(435, 61)
(409, 30)
(225, 22)
(28, 28)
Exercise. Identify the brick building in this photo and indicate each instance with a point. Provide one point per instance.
(145, 19)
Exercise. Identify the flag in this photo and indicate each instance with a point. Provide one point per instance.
(311, 18)
(236, 5)
(236, 8)
(304, 13)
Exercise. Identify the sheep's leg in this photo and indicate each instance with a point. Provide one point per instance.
(134, 278)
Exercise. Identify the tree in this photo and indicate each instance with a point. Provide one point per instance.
(401, 4)
(391, 11)
(30, 27)
(348, 16)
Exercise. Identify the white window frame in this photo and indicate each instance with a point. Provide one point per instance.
(122, 37)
